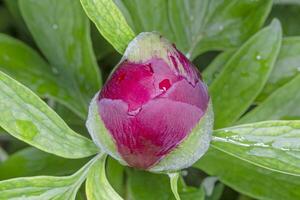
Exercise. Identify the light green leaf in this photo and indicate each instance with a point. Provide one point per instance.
(216, 66)
(62, 32)
(33, 121)
(260, 160)
(33, 162)
(97, 185)
(110, 22)
(44, 187)
(286, 67)
(197, 26)
(271, 144)
(245, 75)
(24, 64)
(284, 103)
(249, 178)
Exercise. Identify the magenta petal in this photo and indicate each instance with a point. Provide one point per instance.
(132, 83)
(183, 91)
(143, 139)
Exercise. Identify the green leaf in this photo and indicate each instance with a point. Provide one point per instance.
(288, 16)
(97, 185)
(257, 158)
(288, 2)
(45, 187)
(115, 173)
(245, 75)
(271, 144)
(141, 184)
(284, 103)
(110, 22)
(200, 26)
(25, 116)
(248, 178)
(13, 7)
(286, 67)
(24, 64)
(102, 47)
(33, 162)
(62, 32)
(197, 26)
(216, 66)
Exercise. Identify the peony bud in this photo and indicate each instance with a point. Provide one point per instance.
(154, 111)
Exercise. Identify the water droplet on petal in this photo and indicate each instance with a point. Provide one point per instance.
(164, 85)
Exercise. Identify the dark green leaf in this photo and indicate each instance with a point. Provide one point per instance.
(33, 162)
(200, 26)
(115, 173)
(217, 65)
(62, 32)
(245, 75)
(24, 64)
(33, 121)
(141, 185)
(288, 16)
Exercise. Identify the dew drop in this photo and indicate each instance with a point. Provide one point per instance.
(298, 69)
(55, 26)
(221, 28)
(54, 70)
(164, 85)
(258, 57)
(121, 77)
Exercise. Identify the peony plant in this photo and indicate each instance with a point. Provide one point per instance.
(126, 114)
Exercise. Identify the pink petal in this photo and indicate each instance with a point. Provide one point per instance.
(143, 139)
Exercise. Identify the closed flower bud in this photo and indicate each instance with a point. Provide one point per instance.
(154, 111)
